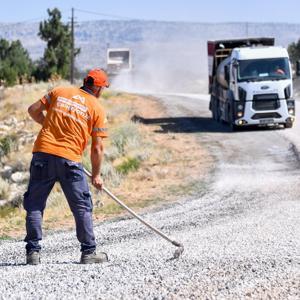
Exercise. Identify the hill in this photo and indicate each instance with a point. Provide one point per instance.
(163, 52)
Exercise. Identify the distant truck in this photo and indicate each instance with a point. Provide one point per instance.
(250, 83)
(118, 60)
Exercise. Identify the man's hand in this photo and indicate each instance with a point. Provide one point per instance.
(97, 182)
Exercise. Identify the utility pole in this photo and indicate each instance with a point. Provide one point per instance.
(72, 48)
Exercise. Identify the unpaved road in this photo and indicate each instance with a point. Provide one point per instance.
(242, 237)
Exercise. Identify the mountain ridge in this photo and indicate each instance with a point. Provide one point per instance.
(158, 47)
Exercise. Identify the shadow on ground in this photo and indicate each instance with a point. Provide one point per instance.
(12, 264)
(190, 125)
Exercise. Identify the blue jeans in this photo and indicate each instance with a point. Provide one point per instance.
(45, 170)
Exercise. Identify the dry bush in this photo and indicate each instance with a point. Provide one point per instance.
(110, 175)
(17, 163)
(111, 153)
(57, 200)
(125, 135)
(4, 189)
(107, 94)
(8, 144)
(165, 157)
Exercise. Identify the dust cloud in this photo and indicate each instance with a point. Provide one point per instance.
(175, 65)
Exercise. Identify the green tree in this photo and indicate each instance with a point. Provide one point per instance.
(294, 51)
(57, 55)
(15, 63)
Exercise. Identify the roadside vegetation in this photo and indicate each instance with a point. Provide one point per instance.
(142, 165)
(294, 52)
(16, 65)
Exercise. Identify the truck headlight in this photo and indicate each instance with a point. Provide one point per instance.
(291, 106)
(291, 111)
(239, 110)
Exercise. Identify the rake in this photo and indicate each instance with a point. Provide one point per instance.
(179, 246)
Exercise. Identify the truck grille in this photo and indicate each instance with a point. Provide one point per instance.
(265, 102)
(271, 115)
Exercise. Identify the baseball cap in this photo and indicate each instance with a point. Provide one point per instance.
(99, 76)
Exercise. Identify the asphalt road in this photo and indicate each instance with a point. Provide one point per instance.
(241, 237)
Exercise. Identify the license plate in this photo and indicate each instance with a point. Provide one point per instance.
(266, 121)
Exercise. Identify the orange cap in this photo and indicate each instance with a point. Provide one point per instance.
(99, 76)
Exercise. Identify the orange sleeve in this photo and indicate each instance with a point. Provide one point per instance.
(100, 124)
(46, 100)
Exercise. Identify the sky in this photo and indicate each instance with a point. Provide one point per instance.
(162, 10)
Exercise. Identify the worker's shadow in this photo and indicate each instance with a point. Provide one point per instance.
(24, 264)
(183, 124)
(12, 264)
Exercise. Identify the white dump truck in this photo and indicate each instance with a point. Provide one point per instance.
(118, 60)
(250, 83)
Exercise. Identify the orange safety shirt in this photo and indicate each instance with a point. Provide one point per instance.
(73, 115)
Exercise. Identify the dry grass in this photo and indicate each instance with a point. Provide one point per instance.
(4, 189)
(20, 162)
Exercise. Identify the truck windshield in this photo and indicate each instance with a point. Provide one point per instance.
(263, 69)
(119, 56)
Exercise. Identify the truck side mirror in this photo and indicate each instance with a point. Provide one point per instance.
(298, 68)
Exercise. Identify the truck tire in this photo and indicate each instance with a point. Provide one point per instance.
(214, 109)
(232, 125)
(288, 125)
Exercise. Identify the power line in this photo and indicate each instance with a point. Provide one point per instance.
(72, 50)
(32, 20)
(104, 15)
(22, 22)
(41, 18)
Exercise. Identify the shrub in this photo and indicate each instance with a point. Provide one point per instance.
(126, 134)
(7, 144)
(111, 153)
(110, 175)
(130, 164)
(4, 189)
(107, 94)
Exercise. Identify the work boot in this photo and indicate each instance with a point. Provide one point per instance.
(33, 258)
(93, 257)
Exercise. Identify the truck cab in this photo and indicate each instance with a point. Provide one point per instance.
(118, 60)
(251, 83)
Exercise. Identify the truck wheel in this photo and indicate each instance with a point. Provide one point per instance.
(215, 111)
(233, 127)
(214, 114)
(288, 125)
(212, 106)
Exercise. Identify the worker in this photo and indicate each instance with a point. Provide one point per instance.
(278, 70)
(72, 115)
